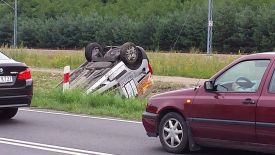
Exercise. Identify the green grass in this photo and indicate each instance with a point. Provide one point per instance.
(170, 64)
(47, 96)
(189, 65)
(46, 58)
(46, 81)
(77, 102)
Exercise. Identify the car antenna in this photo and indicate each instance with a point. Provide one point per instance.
(197, 85)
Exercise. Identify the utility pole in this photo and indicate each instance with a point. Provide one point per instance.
(15, 21)
(210, 25)
(15, 25)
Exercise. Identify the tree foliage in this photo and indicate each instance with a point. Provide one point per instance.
(246, 25)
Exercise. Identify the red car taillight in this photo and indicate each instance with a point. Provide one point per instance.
(150, 68)
(24, 75)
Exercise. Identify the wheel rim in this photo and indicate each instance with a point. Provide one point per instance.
(172, 133)
(96, 52)
(131, 54)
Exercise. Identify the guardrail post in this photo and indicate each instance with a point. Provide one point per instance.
(66, 78)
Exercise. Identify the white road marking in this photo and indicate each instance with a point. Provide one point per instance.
(41, 148)
(81, 116)
(51, 148)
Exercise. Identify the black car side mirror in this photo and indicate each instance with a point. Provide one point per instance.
(209, 85)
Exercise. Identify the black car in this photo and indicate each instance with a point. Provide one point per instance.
(16, 86)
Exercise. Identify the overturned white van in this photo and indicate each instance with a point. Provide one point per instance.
(125, 69)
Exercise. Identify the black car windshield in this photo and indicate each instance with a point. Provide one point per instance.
(3, 57)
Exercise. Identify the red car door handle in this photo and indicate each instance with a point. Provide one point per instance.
(248, 101)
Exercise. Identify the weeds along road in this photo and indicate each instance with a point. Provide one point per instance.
(34, 132)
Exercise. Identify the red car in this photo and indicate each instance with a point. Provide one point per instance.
(234, 109)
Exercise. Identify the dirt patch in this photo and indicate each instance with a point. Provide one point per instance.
(168, 81)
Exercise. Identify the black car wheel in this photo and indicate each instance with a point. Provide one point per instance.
(173, 133)
(131, 55)
(8, 113)
(92, 51)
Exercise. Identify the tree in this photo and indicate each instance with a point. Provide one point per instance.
(6, 30)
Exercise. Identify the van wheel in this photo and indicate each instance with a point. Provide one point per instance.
(173, 133)
(8, 113)
(92, 51)
(131, 55)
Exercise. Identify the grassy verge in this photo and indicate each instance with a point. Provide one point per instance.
(170, 64)
(46, 58)
(77, 102)
(49, 97)
(189, 65)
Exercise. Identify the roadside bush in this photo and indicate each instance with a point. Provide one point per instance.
(246, 25)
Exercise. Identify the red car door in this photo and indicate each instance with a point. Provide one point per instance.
(265, 113)
(228, 112)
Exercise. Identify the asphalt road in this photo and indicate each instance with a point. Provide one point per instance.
(53, 133)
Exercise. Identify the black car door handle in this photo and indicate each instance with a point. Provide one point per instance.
(248, 101)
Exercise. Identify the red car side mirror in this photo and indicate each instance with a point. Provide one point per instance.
(209, 85)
